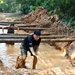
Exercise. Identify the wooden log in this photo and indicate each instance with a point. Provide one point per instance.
(15, 22)
(43, 34)
(43, 37)
(11, 34)
(25, 25)
(23, 36)
(17, 40)
(4, 24)
(19, 25)
(43, 40)
(62, 40)
(28, 26)
(23, 28)
(12, 37)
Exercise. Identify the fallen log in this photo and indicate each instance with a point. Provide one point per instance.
(25, 25)
(15, 22)
(17, 40)
(23, 36)
(62, 40)
(9, 37)
(4, 23)
(43, 40)
(23, 28)
(19, 25)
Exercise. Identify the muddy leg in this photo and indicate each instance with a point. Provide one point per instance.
(23, 61)
(34, 62)
(20, 62)
(17, 62)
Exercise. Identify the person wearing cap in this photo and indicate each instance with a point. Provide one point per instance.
(10, 28)
(30, 43)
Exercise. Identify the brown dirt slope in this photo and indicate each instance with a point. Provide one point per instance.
(42, 18)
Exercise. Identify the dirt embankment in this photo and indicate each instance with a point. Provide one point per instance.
(42, 18)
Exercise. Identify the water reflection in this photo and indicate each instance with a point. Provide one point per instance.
(8, 53)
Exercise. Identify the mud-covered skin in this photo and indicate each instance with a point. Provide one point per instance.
(20, 63)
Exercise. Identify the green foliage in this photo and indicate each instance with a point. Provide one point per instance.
(25, 8)
(8, 6)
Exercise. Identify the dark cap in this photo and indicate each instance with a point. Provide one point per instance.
(12, 24)
(37, 32)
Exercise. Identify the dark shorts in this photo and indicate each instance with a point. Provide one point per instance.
(24, 51)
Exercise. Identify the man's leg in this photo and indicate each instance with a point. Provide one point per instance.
(20, 62)
(23, 56)
(34, 62)
(23, 60)
(35, 58)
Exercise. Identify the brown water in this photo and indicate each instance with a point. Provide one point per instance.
(8, 53)
(50, 57)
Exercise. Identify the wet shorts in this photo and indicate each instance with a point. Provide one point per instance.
(24, 51)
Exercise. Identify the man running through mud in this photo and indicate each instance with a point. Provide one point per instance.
(31, 44)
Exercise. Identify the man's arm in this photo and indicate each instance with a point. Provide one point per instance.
(32, 51)
(3, 28)
(17, 28)
(37, 48)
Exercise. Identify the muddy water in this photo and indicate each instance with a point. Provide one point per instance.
(8, 53)
(49, 56)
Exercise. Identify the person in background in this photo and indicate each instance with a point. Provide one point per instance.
(11, 28)
(30, 43)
